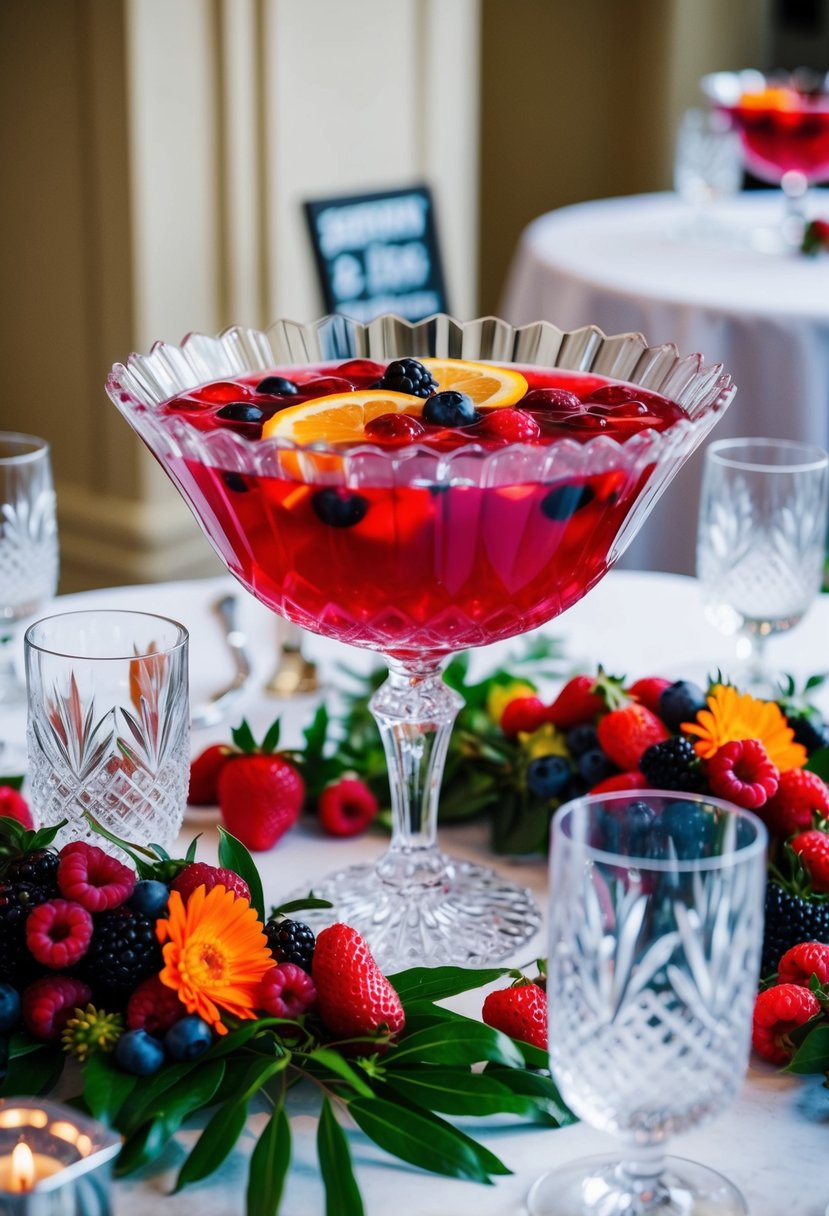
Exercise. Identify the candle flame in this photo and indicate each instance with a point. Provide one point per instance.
(22, 1168)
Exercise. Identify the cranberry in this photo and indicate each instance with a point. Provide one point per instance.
(557, 399)
(222, 391)
(361, 369)
(325, 386)
(395, 428)
(509, 423)
(612, 394)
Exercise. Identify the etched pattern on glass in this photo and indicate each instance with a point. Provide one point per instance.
(655, 980)
(128, 767)
(28, 553)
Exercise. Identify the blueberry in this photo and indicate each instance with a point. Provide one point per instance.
(644, 835)
(565, 500)
(277, 386)
(339, 508)
(188, 1038)
(690, 827)
(680, 702)
(594, 765)
(149, 897)
(450, 409)
(241, 411)
(139, 1053)
(547, 776)
(581, 739)
(576, 787)
(9, 1007)
(235, 482)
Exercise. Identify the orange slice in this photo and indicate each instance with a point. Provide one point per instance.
(339, 417)
(487, 384)
(772, 98)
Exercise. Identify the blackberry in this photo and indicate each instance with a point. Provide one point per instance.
(408, 376)
(789, 920)
(38, 867)
(124, 950)
(672, 765)
(291, 941)
(17, 899)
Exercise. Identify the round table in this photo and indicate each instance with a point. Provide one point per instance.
(645, 264)
(771, 1142)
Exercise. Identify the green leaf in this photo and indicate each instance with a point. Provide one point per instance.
(334, 1062)
(468, 1042)
(437, 983)
(271, 740)
(813, 1053)
(342, 1195)
(136, 1109)
(22, 1043)
(242, 736)
(453, 1092)
(818, 763)
(315, 734)
(143, 1146)
(234, 856)
(300, 905)
(190, 855)
(34, 1073)
(420, 1139)
(105, 1087)
(191, 1094)
(535, 1085)
(243, 1034)
(214, 1144)
(269, 1164)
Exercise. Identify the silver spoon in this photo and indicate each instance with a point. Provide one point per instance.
(215, 708)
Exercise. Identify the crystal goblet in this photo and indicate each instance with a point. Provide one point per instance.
(28, 545)
(417, 550)
(761, 543)
(656, 925)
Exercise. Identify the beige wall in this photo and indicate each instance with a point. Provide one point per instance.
(155, 153)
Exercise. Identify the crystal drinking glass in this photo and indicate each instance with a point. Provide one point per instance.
(109, 724)
(656, 917)
(707, 164)
(761, 543)
(28, 545)
(783, 121)
(417, 551)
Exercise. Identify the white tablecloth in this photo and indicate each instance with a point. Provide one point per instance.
(640, 264)
(771, 1142)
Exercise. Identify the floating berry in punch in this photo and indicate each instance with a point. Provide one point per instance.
(450, 409)
(409, 376)
(277, 386)
(339, 508)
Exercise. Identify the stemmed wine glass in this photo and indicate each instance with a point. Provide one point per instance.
(417, 552)
(656, 917)
(761, 543)
(28, 545)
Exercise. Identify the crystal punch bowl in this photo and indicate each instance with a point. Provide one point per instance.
(416, 541)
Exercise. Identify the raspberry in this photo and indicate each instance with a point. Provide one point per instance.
(291, 941)
(799, 794)
(777, 1012)
(14, 806)
(90, 877)
(154, 1007)
(523, 714)
(742, 773)
(200, 874)
(517, 426)
(813, 850)
(286, 991)
(49, 1002)
(798, 965)
(58, 933)
(347, 807)
(672, 765)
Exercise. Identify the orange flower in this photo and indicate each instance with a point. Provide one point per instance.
(215, 953)
(732, 715)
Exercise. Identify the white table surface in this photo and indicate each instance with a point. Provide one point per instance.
(640, 264)
(772, 1142)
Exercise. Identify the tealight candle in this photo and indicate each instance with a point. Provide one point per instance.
(53, 1161)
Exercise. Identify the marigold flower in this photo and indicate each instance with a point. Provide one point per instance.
(215, 953)
(732, 716)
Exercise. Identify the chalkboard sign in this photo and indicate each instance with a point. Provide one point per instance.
(378, 253)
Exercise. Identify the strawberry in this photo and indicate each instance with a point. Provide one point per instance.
(523, 714)
(204, 775)
(799, 794)
(578, 701)
(632, 780)
(346, 807)
(260, 792)
(648, 690)
(520, 1012)
(812, 848)
(777, 1012)
(626, 733)
(354, 996)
